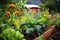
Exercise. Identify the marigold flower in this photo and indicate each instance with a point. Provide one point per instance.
(7, 14)
(12, 6)
(17, 12)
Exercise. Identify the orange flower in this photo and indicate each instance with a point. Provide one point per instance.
(11, 6)
(17, 12)
(7, 14)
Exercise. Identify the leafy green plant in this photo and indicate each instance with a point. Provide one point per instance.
(33, 24)
(11, 34)
(10, 22)
(54, 21)
(21, 5)
(15, 18)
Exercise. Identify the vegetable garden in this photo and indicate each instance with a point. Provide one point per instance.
(17, 24)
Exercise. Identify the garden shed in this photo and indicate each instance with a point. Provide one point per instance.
(32, 8)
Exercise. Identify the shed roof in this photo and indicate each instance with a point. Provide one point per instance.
(31, 6)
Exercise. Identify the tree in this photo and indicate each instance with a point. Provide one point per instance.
(53, 5)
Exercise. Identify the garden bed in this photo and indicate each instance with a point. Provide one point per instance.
(18, 24)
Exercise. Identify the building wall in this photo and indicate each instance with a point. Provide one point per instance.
(32, 10)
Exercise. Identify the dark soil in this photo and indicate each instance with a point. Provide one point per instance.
(56, 33)
(31, 36)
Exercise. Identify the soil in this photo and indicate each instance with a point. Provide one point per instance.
(56, 33)
(31, 36)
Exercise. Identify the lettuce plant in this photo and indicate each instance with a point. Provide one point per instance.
(11, 34)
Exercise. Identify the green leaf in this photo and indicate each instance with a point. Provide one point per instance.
(29, 30)
(38, 28)
(40, 37)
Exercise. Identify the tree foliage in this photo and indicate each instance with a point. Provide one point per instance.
(53, 5)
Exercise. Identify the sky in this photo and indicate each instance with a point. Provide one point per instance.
(33, 1)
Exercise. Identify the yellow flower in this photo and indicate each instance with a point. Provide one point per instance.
(12, 6)
(46, 13)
